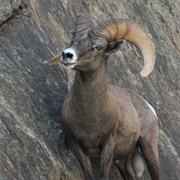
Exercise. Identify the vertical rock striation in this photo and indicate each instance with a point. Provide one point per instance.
(31, 96)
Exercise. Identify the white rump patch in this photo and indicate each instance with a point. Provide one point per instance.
(152, 109)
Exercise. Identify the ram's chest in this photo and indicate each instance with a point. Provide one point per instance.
(88, 125)
(89, 113)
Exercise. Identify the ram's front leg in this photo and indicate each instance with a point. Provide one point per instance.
(85, 162)
(106, 158)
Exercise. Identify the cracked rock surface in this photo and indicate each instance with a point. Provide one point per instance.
(31, 96)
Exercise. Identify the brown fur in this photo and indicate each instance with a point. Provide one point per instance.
(102, 120)
(110, 121)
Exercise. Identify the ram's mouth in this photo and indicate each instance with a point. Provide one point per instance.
(67, 65)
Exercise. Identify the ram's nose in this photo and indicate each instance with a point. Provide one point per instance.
(66, 56)
(69, 56)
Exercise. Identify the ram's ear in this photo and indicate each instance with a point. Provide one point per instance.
(114, 46)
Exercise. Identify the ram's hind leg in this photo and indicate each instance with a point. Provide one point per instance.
(121, 165)
(149, 150)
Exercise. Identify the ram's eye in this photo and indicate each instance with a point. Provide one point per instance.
(99, 48)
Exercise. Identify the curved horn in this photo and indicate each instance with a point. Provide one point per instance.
(83, 25)
(83, 22)
(132, 33)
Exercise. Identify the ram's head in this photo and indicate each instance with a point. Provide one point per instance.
(91, 45)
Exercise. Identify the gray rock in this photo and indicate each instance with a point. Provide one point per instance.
(31, 96)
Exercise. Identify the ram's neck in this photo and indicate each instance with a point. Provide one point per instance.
(91, 85)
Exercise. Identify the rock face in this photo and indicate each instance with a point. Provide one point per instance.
(31, 96)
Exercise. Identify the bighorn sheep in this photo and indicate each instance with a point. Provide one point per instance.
(102, 120)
